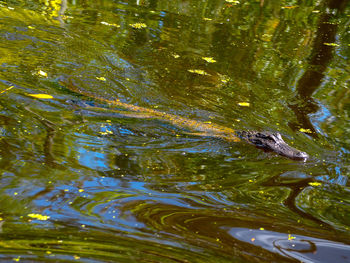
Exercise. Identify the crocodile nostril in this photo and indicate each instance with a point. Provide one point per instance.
(302, 155)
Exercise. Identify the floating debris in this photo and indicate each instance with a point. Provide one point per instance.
(42, 73)
(41, 96)
(6, 89)
(244, 104)
(331, 44)
(290, 237)
(289, 7)
(108, 24)
(209, 59)
(38, 216)
(234, 2)
(305, 130)
(101, 78)
(198, 71)
(138, 25)
(224, 78)
(315, 184)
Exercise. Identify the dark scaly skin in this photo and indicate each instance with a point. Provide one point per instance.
(269, 141)
(265, 140)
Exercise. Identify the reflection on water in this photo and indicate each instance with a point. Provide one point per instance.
(85, 180)
(302, 248)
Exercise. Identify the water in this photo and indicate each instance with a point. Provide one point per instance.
(83, 180)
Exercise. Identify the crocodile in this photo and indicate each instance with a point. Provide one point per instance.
(268, 141)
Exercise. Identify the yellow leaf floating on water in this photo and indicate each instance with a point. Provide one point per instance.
(224, 78)
(315, 184)
(105, 129)
(289, 7)
(11, 87)
(244, 104)
(175, 55)
(38, 216)
(207, 19)
(305, 130)
(108, 24)
(31, 27)
(235, 2)
(209, 59)
(331, 44)
(41, 96)
(101, 78)
(290, 237)
(198, 71)
(138, 25)
(42, 73)
(106, 132)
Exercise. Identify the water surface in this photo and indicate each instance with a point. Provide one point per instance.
(83, 180)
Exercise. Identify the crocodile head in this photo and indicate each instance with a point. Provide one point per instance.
(273, 142)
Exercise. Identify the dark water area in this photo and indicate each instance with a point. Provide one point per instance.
(86, 180)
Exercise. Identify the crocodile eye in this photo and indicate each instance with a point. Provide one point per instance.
(266, 136)
(273, 137)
